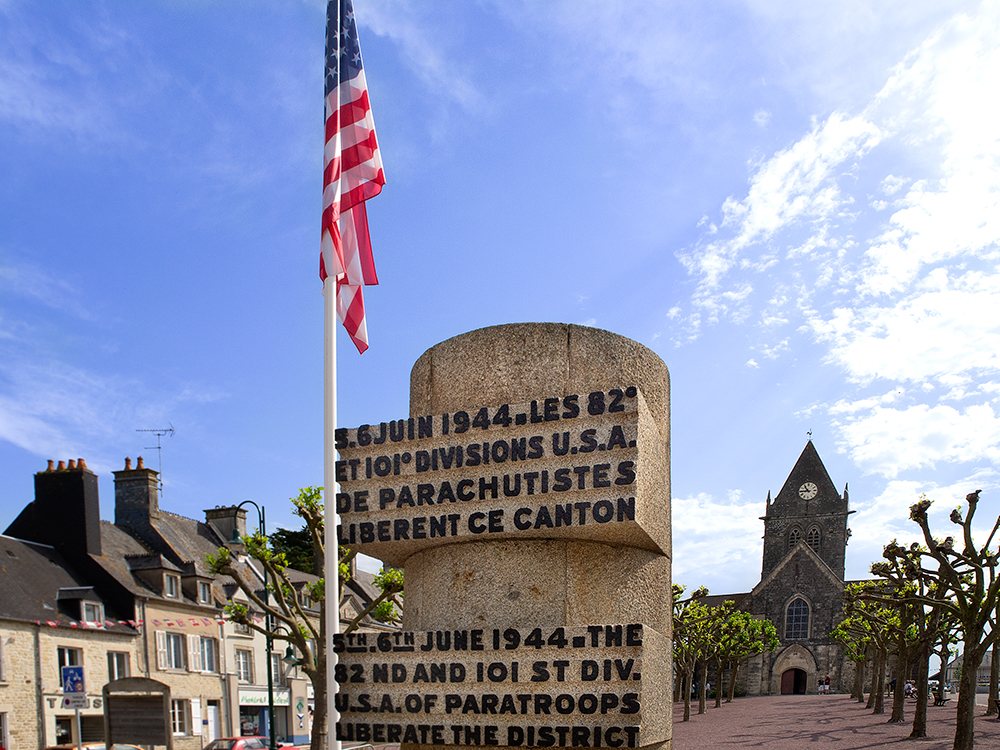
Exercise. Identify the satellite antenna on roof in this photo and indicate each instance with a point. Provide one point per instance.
(159, 449)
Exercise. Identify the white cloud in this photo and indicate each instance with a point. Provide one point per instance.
(809, 208)
(887, 516)
(893, 184)
(887, 441)
(55, 410)
(699, 522)
(27, 281)
(421, 37)
(949, 328)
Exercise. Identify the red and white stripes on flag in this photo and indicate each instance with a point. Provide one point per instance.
(352, 172)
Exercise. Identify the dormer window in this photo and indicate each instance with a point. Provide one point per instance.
(93, 613)
(204, 592)
(172, 589)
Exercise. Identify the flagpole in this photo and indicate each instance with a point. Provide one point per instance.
(330, 489)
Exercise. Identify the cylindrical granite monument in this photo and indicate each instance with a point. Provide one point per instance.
(528, 499)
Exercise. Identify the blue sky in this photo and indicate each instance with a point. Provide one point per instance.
(794, 206)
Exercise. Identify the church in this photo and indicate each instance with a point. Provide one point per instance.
(801, 585)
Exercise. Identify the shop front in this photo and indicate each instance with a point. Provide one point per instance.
(253, 712)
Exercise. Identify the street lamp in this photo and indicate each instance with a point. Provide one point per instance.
(267, 620)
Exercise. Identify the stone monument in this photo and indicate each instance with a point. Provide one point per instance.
(528, 498)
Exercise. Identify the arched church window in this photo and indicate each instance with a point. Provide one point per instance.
(793, 537)
(813, 538)
(797, 620)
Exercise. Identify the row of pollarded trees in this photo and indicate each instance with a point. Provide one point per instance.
(926, 597)
(721, 636)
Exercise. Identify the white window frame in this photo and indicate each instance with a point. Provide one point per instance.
(278, 669)
(203, 654)
(119, 665)
(244, 665)
(65, 658)
(209, 654)
(3, 665)
(204, 592)
(179, 720)
(171, 586)
(170, 648)
(4, 729)
(98, 610)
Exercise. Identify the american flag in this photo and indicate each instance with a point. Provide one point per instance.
(352, 171)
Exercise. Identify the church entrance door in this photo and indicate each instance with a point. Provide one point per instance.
(793, 682)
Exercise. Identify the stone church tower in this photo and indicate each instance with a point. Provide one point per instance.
(802, 583)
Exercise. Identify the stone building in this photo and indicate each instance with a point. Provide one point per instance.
(49, 618)
(802, 584)
(134, 598)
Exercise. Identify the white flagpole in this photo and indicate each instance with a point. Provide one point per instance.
(330, 487)
(330, 490)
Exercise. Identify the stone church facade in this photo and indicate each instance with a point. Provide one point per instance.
(802, 584)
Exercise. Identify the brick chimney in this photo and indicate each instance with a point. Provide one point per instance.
(224, 518)
(137, 496)
(67, 510)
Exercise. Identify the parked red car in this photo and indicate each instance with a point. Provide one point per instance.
(239, 743)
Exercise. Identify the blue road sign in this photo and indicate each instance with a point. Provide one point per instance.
(72, 680)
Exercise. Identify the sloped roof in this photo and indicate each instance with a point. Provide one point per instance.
(188, 539)
(799, 550)
(716, 600)
(31, 576)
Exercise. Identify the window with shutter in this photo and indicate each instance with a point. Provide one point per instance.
(194, 653)
(195, 714)
(161, 650)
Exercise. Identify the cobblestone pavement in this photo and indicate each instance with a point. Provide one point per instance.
(832, 722)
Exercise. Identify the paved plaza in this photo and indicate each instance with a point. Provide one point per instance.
(835, 722)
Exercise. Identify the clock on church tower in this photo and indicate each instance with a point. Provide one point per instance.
(808, 508)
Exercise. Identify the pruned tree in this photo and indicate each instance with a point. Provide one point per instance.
(853, 635)
(947, 634)
(284, 617)
(742, 637)
(969, 575)
(919, 598)
(686, 615)
(875, 621)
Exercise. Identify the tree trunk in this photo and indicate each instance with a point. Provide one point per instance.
(943, 657)
(734, 667)
(718, 682)
(920, 712)
(702, 685)
(858, 691)
(319, 718)
(991, 703)
(687, 695)
(879, 707)
(898, 692)
(966, 714)
(873, 686)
